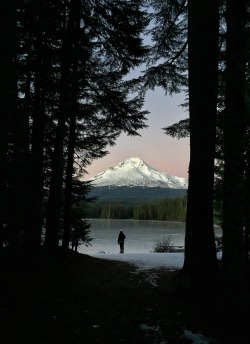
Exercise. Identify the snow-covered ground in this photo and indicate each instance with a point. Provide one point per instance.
(173, 261)
(146, 260)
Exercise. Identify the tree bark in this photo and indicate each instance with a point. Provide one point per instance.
(200, 253)
(234, 145)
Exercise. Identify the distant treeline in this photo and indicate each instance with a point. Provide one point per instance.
(162, 210)
(134, 195)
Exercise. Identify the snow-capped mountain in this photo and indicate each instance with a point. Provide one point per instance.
(133, 173)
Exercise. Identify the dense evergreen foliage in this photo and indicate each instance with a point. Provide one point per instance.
(163, 210)
(65, 100)
(133, 194)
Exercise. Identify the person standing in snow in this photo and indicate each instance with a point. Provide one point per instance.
(121, 238)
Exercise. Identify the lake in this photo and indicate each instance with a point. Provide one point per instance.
(141, 236)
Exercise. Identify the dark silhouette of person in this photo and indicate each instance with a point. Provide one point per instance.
(121, 238)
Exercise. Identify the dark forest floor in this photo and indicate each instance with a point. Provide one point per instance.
(79, 299)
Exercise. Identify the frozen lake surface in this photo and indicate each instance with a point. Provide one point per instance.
(141, 236)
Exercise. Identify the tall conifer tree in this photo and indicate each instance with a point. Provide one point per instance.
(203, 29)
(115, 48)
(235, 122)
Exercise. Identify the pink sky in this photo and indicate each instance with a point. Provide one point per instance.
(153, 146)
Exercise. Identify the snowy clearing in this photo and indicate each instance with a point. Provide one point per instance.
(150, 260)
(172, 261)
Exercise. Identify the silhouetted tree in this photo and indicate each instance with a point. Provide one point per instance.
(64, 99)
(170, 39)
(35, 182)
(8, 104)
(110, 54)
(235, 122)
(203, 30)
(167, 59)
(56, 182)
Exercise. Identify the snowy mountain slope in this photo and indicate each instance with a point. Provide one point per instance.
(135, 172)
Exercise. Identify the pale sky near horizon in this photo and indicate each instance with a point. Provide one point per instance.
(155, 148)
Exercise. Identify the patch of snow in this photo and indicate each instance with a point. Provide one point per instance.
(152, 333)
(196, 338)
(150, 260)
(148, 328)
(147, 261)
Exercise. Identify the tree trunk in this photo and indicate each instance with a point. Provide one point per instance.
(68, 183)
(200, 254)
(247, 209)
(234, 143)
(7, 99)
(10, 129)
(56, 183)
(36, 175)
(72, 134)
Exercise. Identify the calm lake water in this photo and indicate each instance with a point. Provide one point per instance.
(141, 236)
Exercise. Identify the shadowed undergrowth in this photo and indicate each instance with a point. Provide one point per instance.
(77, 299)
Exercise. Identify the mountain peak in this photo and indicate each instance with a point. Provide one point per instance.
(134, 163)
(137, 162)
(135, 172)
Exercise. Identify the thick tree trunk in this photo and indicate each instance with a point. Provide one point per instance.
(203, 25)
(234, 143)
